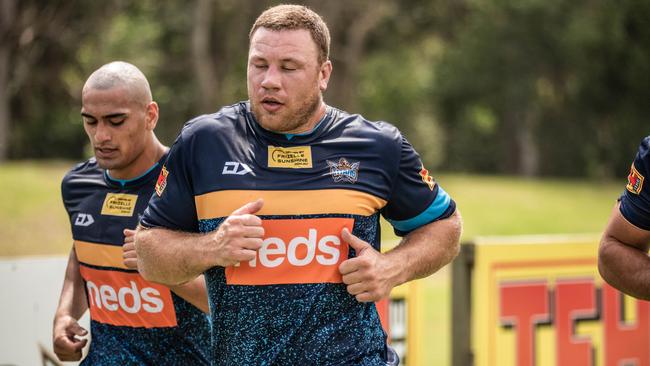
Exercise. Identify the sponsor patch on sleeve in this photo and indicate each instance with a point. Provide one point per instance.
(634, 181)
(426, 178)
(162, 181)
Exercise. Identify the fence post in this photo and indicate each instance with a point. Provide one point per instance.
(461, 306)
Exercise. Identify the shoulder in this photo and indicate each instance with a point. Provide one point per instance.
(87, 170)
(644, 148)
(378, 131)
(85, 174)
(226, 120)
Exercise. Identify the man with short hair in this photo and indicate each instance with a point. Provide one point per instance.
(277, 200)
(132, 321)
(623, 259)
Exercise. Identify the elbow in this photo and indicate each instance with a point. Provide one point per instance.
(457, 230)
(142, 249)
(604, 259)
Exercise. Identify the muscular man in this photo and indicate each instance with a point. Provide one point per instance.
(133, 321)
(623, 255)
(277, 200)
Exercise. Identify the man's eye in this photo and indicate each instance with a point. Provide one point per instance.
(116, 121)
(89, 121)
(261, 66)
(288, 68)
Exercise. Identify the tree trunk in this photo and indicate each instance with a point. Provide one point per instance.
(520, 150)
(204, 72)
(348, 45)
(528, 164)
(7, 14)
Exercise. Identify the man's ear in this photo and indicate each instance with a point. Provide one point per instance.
(324, 75)
(152, 115)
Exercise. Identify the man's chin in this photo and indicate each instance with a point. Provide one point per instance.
(107, 163)
(271, 122)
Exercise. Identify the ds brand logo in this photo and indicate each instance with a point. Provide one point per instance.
(129, 299)
(84, 220)
(296, 251)
(126, 299)
(327, 246)
(233, 167)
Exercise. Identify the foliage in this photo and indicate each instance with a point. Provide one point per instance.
(534, 88)
(560, 77)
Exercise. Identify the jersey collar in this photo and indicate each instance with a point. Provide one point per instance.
(147, 176)
(291, 139)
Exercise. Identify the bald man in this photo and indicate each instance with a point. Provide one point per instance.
(132, 321)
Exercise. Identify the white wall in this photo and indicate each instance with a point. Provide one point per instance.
(29, 292)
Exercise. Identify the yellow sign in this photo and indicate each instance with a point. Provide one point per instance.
(540, 301)
(119, 204)
(298, 157)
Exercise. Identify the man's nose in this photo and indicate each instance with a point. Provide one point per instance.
(102, 133)
(271, 78)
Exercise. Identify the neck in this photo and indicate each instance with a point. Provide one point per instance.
(149, 156)
(312, 122)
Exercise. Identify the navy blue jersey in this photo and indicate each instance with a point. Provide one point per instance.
(133, 321)
(288, 306)
(635, 201)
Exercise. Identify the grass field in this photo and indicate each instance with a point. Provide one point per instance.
(32, 218)
(33, 221)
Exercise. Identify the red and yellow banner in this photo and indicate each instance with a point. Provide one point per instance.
(540, 301)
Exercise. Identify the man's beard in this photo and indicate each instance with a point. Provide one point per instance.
(291, 122)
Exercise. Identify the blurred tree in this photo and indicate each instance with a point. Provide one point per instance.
(543, 87)
(534, 87)
(7, 15)
(39, 48)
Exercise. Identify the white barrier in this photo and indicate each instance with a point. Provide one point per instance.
(29, 293)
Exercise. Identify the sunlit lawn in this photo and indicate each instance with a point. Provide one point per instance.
(32, 217)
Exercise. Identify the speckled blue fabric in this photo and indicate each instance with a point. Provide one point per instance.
(114, 345)
(294, 324)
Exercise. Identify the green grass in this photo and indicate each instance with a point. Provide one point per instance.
(494, 205)
(32, 218)
(516, 206)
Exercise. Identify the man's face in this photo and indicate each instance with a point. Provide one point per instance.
(116, 126)
(285, 79)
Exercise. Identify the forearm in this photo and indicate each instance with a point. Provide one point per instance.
(625, 267)
(623, 256)
(425, 250)
(73, 297)
(172, 257)
(194, 292)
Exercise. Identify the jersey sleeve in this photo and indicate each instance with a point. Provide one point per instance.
(172, 204)
(635, 201)
(66, 197)
(416, 199)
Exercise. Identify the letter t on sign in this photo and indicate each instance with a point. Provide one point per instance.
(523, 305)
(574, 301)
(626, 343)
